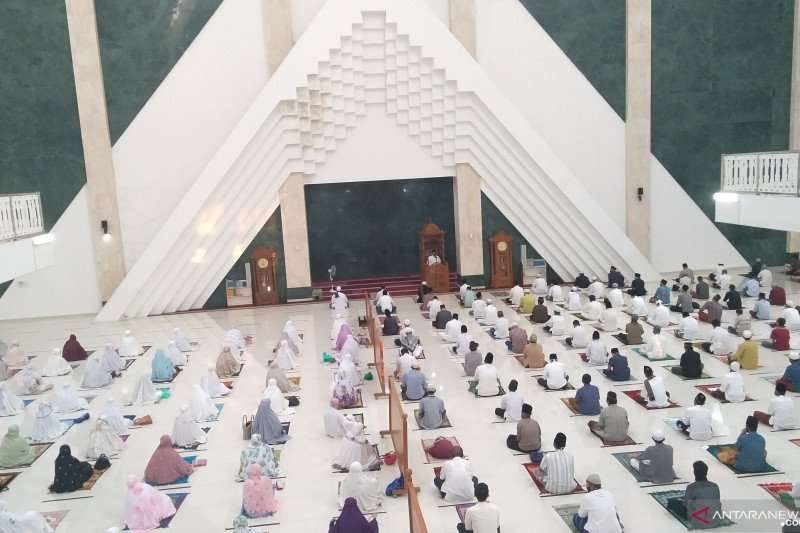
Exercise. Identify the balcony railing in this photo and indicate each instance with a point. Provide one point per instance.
(20, 216)
(761, 173)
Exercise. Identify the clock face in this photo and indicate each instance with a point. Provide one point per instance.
(262, 263)
(502, 246)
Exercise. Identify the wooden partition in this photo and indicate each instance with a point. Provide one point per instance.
(416, 522)
(376, 340)
(398, 426)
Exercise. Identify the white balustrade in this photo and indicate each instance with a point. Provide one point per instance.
(20, 216)
(761, 172)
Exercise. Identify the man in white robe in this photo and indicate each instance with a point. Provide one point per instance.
(660, 316)
(539, 285)
(515, 295)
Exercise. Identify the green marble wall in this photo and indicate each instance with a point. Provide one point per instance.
(592, 34)
(371, 228)
(140, 42)
(40, 138)
(721, 84)
(270, 235)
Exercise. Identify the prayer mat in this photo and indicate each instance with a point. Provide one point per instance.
(636, 395)
(54, 518)
(183, 479)
(128, 363)
(566, 512)
(609, 444)
(228, 383)
(461, 509)
(600, 327)
(621, 338)
(717, 449)
(781, 492)
(530, 468)
(196, 445)
(427, 443)
(707, 388)
(624, 459)
(724, 359)
(663, 498)
(632, 380)
(563, 342)
(473, 388)
(568, 386)
(796, 442)
(6, 479)
(640, 351)
(703, 375)
(38, 450)
(294, 380)
(26, 403)
(12, 372)
(565, 401)
(445, 422)
(359, 403)
(521, 360)
(96, 475)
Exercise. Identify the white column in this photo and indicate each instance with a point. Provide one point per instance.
(793, 238)
(100, 178)
(295, 233)
(278, 38)
(462, 23)
(469, 224)
(637, 123)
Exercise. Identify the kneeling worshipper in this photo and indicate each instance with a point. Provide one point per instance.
(95, 376)
(442, 448)
(654, 464)
(10, 404)
(701, 499)
(212, 385)
(66, 400)
(501, 329)
(598, 512)
(73, 351)
(350, 347)
(289, 333)
(259, 454)
(654, 394)
(341, 336)
(14, 355)
(721, 341)
(574, 300)
(511, 403)
(637, 306)
(129, 346)
(529, 435)
(483, 517)
(431, 410)
(144, 392)
(517, 339)
(29, 382)
(343, 394)
(587, 398)
(175, 355)
(747, 352)
(472, 359)
(555, 326)
(356, 448)
(791, 375)
(146, 507)
(363, 487)
(751, 449)
(56, 365)
(697, 422)
(267, 425)
(29, 522)
(711, 310)
(165, 465)
(351, 520)
(70, 474)
(580, 335)
(486, 378)
(162, 369)
(258, 494)
(112, 362)
(596, 351)
(654, 348)
(275, 372)
(185, 431)
(455, 481)
(413, 385)
(557, 469)
(45, 426)
(780, 413)
(533, 352)
(732, 386)
(114, 417)
(15, 450)
(103, 440)
(409, 340)
(555, 375)
(612, 426)
(335, 422)
(349, 367)
(463, 341)
(690, 364)
(181, 341)
(390, 324)
(660, 316)
(227, 365)
(279, 404)
(202, 408)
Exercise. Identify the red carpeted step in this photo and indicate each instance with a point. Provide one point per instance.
(398, 285)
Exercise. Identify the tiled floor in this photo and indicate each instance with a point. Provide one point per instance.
(309, 498)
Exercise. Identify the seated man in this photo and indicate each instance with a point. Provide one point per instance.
(732, 298)
(540, 314)
(750, 288)
(555, 326)
(711, 310)
(413, 385)
(433, 307)
(732, 386)
(455, 481)
(491, 313)
(780, 413)
(529, 435)
(593, 309)
(511, 404)
(442, 448)
(746, 353)
(615, 296)
(654, 349)
(612, 426)
(574, 300)
(598, 510)
(637, 306)
(442, 317)
(462, 291)
(654, 464)
(462, 342)
(792, 316)
(751, 449)
(423, 291)
(473, 359)
(615, 277)
(634, 332)
(386, 303)
(761, 309)
(580, 335)
(779, 337)
(501, 327)
(557, 469)
(515, 295)
(688, 328)
(390, 325)
(723, 280)
(701, 502)
(691, 366)
(701, 290)
(587, 398)
(409, 339)
(654, 393)
(765, 278)
(791, 376)
(431, 410)
(555, 375)
(534, 355)
(684, 303)
(478, 307)
(637, 286)
(486, 377)
(793, 267)
(582, 281)
(721, 341)
(697, 422)
(483, 517)
(526, 303)
(663, 294)
(596, 352)
(740, 324)
(609, 318)
(517, 338)
(404, 363)
(539, 285)
(555, 293)
(469, 297)
(660, 316)
(597, 288)
(618, 368)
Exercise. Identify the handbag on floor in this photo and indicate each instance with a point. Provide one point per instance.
(247, 427)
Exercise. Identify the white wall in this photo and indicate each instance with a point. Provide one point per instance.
(68, 287)
(184, 122)
(770, 211)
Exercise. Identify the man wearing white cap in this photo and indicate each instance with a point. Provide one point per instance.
(791, 376)
(479, 307)
(659, 316)
(598, 511)
(491, 313)
(574, 300)
(654, 464)
(539, 285)
(746, 353)
(339, 301)
(597, 289)
(555, 294)
(732, 386)
(515, 295)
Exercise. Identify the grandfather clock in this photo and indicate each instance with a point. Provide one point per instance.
(264, 261)
(502, 265)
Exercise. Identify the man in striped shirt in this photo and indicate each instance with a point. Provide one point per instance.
(557, 470)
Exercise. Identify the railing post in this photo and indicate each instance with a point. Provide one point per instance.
(13, 219)
(758, 173)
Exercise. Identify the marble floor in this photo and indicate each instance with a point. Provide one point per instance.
(308, 499)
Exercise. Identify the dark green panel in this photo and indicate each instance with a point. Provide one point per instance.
(40, 139)
(592, 34)
(721, 84)
(140, 42)
(270, 235)
(371, 228)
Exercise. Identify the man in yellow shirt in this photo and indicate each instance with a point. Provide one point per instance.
(746, 353)
(526, 303)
